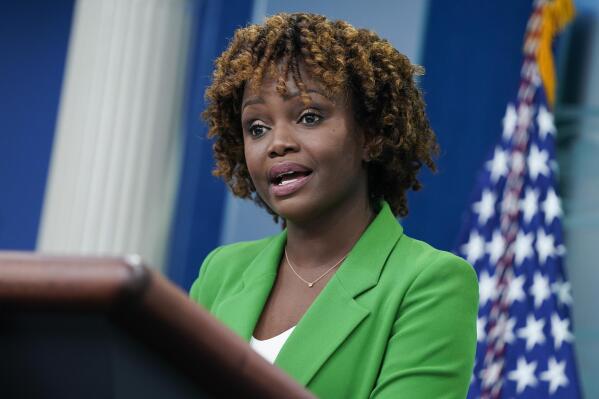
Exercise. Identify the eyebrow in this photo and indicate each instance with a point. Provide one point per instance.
(260, 100)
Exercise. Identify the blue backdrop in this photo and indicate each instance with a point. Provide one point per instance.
(199, 209)
(471, 56)
(34, 37)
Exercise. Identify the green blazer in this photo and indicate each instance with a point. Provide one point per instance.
(397, 319)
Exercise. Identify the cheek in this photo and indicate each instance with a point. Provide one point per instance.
(345, 150)
(248, 154)
(253, 164)
(251, 167)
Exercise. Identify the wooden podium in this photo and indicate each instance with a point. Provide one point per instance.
(86, 328)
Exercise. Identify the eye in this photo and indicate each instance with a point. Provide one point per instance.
(310, 118)
(257, 129)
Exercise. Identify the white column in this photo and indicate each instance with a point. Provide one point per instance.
(115, 162)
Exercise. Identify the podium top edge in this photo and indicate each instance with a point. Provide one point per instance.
(33, 278)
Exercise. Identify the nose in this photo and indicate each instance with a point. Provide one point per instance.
(282, 142)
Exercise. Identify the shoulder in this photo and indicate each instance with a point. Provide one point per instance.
(438, 285)
(416, 271)
(422, 261)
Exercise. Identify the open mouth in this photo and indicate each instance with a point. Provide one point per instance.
(289, 177)
(286, 178)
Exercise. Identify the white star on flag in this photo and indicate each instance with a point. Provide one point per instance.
(532, 332)
(563, 292)
(551, 206)
(486, 288)
(560, 250)
(524, 375)
(485, 208)
(560, 330)
(480, 328)
(498, 166)
(523, 247)
(545, 122)
(515, 291)
(545, 246)
(496, 247)
(537, 162)
(509, 121)
(555, 375)
(529, 204)
(475, 248)
(540, 289)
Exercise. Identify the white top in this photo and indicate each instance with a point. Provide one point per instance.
(270, 348)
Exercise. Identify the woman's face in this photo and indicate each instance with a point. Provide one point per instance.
(304, 159)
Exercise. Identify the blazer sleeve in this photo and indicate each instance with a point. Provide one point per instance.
(202, 291)
(430, 352)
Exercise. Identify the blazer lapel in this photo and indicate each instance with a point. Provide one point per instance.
(335, 313)
(241, 311)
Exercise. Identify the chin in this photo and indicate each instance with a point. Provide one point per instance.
(293, 208)
(289, 209)
(298, 209)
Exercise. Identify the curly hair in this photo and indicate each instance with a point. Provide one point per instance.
(387, 102)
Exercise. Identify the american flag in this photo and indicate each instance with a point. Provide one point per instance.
(513, 236)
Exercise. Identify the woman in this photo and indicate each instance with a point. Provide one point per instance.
(322, 124)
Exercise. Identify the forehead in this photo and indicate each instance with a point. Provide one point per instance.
(273, 75)
(270, 84)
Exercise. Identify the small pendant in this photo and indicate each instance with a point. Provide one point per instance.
(310, 285)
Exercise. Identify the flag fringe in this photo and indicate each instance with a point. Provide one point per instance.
(555, 15)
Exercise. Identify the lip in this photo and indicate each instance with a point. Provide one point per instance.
(289, 188)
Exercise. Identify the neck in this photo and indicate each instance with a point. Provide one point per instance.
(326, 239)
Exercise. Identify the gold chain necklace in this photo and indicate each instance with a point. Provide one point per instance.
(311, 284)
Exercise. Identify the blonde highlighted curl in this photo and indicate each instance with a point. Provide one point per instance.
(386, 101)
